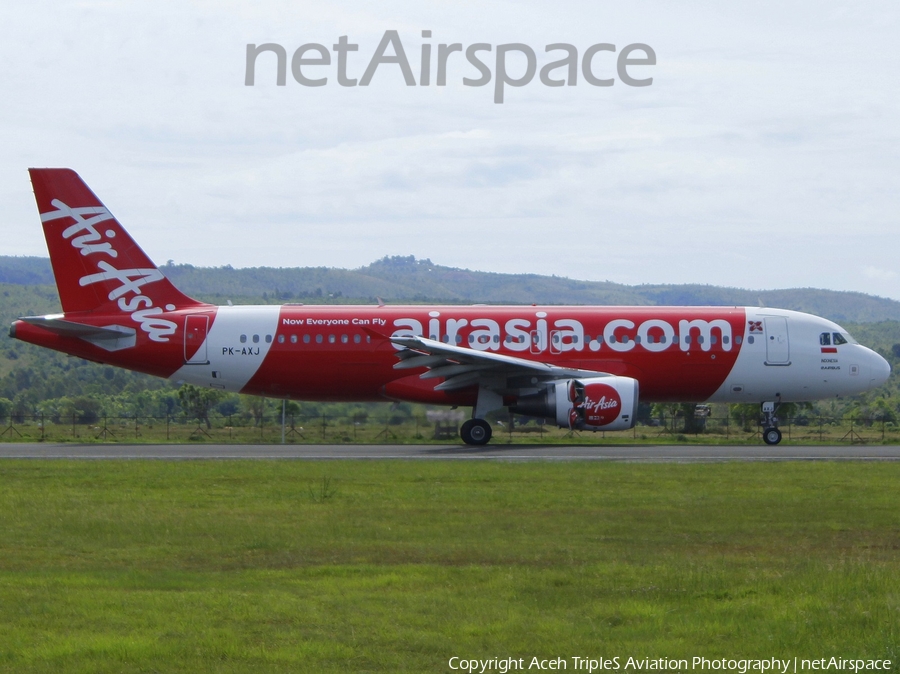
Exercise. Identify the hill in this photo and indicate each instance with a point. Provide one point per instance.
(406, 279)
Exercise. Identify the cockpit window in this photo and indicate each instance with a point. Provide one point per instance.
(825, 339)
(839, 339)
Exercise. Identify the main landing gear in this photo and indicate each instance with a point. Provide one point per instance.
(475, 432)
(771, 435)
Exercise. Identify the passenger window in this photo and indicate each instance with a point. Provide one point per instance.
(356, 339)
(839, 339)
(318, 339)
(713, 339)
(725, 339)
(331, 339)
(256, 339)
(269, 339)
(293, 339)
(306, 339)
(738, 339)
(281, 339)
(750, 339)
(243, 339)
(825, 339)
(344, 339)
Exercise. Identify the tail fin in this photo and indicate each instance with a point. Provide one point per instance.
(97, 265)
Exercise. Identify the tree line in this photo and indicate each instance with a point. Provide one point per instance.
(35, 381)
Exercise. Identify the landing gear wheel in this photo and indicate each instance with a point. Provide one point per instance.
(475, 432)
(771, 436)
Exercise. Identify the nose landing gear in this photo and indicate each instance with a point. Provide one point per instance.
(771, 435)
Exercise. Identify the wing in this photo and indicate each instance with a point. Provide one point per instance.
(462, 367)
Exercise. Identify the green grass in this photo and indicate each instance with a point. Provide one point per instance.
(392, 566)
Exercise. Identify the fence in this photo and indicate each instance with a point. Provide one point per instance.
(395, 429)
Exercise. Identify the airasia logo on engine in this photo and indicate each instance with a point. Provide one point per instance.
(602, 405)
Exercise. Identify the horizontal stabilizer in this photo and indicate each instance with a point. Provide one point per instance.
(109, 337)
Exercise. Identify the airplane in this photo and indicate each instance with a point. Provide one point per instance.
(581, 367)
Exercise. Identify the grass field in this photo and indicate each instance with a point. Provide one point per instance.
(391, 566)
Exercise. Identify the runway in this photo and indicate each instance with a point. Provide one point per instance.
(630, 453)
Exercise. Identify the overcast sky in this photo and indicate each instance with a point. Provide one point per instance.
(766, 153)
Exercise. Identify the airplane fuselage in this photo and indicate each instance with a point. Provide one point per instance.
(344, 353)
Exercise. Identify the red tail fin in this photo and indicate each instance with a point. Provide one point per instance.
(97, 265)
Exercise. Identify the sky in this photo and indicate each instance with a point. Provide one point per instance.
(765, 154)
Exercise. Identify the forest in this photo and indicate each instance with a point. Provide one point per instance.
(36, 381)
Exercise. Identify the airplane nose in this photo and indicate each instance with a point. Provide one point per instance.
(881, 369)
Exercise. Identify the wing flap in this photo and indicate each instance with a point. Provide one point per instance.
(461, 367)
(415, 360)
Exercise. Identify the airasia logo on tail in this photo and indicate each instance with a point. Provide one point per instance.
(89, 235)
(90, 241)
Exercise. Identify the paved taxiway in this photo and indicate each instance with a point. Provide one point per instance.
(650, 453)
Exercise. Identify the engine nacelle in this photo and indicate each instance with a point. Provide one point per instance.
(595, 404)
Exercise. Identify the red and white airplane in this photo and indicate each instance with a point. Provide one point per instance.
(582, 367)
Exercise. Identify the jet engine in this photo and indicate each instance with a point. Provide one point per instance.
(594, 404)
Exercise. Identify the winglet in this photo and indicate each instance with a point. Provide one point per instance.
(374, 333)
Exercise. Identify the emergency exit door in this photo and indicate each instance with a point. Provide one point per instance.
(195, 328)
(778, 347)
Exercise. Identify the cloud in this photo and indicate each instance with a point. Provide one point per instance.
(880, 274)
(761, 156)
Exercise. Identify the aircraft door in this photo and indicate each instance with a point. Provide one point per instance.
(195, 329)
(778, 348)
(556, 341)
